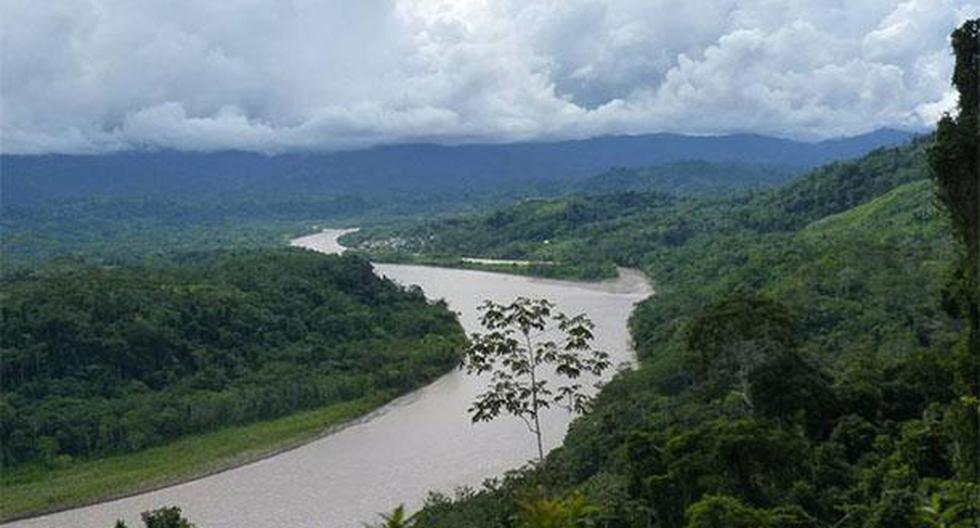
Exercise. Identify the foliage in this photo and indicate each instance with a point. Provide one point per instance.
(954, 156)
(396, 519)
(35, 488)
(733, 337)
(955, 163)
(951, 505)
(573, 511)
(99, 360)
(165, 518)
(721, 511)
(515, 354)
(132, 230)
(691, 178)
(169, 517)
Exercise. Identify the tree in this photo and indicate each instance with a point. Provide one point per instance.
(722, 511)
(515, 352)
(953, 505)
(738, 334)
(396, 519)
(573, 511)
(169, 517)
(955, 162)
(789, 388)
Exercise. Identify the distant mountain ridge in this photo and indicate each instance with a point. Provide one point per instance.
(407, 168)
(691, 178)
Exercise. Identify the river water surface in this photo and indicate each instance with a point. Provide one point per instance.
(421, 442)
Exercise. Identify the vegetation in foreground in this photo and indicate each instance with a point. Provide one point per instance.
(169, 517)
(100, 361)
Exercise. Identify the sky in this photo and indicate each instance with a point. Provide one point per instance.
(279, 75)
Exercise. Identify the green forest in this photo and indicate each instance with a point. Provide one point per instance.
(799, 360)
(100, 360)
(115, 229)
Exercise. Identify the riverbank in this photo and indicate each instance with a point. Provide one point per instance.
(419, 443)
(38, 490)
(195, 431)
(548, 270)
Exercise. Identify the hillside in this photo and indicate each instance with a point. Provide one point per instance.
(635, 228)
(108, 361)
(847, 422)
(691, 178)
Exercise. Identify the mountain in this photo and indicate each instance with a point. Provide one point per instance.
(397, 169)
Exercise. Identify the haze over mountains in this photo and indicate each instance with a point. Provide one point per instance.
(397, 169)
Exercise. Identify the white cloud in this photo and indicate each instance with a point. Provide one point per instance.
(97, 75)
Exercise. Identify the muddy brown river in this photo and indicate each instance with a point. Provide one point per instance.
(423, 441)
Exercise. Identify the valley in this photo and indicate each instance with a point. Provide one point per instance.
(470, 264)
(419, 443)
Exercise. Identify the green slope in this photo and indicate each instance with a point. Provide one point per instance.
(851, 421)
(106, 371)
(691, 178)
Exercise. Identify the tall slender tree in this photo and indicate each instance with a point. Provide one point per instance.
(955, 161)
(518, 350)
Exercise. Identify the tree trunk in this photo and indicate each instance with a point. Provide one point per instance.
(534, 395)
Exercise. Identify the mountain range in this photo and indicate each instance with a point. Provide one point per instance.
(398, 169)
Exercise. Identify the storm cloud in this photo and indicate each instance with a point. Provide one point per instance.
(273, 76)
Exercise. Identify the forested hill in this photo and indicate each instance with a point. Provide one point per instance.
(630, 228)
(796, 361)
(690, 178)
(393, 170)
(104, 360)
(128, 206)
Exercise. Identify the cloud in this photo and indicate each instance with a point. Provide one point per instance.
(262, 75)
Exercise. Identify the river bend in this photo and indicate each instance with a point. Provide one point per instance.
(420, 442)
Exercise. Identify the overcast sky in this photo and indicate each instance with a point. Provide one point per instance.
(274, 75)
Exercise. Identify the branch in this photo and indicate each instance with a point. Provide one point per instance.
(530, 427)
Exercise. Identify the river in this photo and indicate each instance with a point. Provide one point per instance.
(423, 441)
